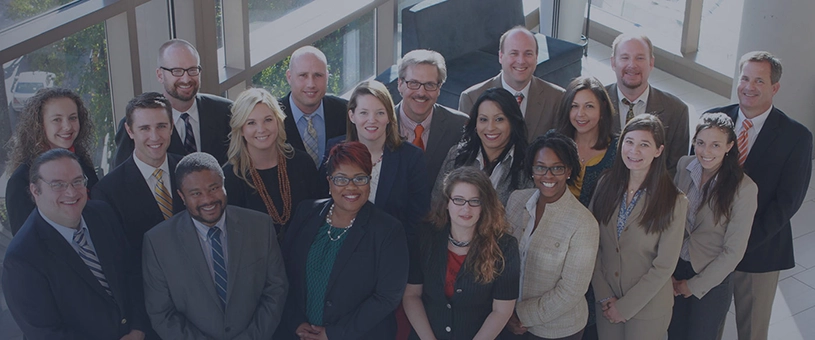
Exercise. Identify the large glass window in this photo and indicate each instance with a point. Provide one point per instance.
(719, 40)
(662, 18)
(262, 12)
(13, 12)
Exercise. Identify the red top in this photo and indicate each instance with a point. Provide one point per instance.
(454, 262)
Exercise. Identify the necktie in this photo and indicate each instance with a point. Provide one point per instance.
(630, 114)
(519, 97)
(310, 140)
(218, 263)
(163, 198)
(189, 136)
(89, 257)
(418, 140)
(743, 136)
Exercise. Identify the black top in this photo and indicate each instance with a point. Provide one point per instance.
(472, 302)
(302, 180)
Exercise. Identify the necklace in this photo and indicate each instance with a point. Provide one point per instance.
(285, 190)
(331, 225)
(460, 244)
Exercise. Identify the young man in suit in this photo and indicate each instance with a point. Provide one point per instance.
(212, 271)
(632, 59)
(538, 99)
(430, 126)
(201, 120)
(67, 273)
(312, 117)
(776, 152)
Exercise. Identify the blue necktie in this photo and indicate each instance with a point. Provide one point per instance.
(189, 136)
(218, 264)
(89, 257)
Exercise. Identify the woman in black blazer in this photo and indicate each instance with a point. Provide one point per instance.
(346, 259)
(53, 118)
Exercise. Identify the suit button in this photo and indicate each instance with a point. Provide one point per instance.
(557, 244)
(228, 329)
(328, 304)
(616, 274)
(458, 290)
(124, 321)
(448, 306)
(448, 329)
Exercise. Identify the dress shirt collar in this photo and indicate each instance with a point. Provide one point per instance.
(147, 169)
(524, 90)
(297, 113)
(193, 112)
(66, 232)
(407, 126)
(758, 121)
(203, 229)
(642, 98)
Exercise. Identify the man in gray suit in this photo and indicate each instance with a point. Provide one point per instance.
(212, 271)
(432, 127)
(538, 99)
(632, 59)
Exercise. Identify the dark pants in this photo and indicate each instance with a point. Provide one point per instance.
(507, 335)
(695, 318)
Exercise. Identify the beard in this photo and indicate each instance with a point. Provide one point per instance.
(172, 91)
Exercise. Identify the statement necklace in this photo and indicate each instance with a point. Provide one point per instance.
(331, 226)
(285, 190)
(460, 244)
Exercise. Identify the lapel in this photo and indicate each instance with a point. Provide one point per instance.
(310, 227)
(654, 105)
(100, 228)
(438, 129)
(176, 144)
(769, 132)
(390, 166)
(191, 247)
(234, 241)
(139, 191)
(355, 235)
(633, 218)
(178, 203)
(208, 126)
(615, 105)
(292, 133)
(534, 106)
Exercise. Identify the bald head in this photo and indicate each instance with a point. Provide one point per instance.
(171, 48)
(308, 78)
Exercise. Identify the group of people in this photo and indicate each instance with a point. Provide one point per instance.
(535, 212)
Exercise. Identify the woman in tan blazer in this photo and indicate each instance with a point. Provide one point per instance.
(641, 216)
(722, 203)
(558, 240)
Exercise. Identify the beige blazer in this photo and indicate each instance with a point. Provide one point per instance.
(716, 248)
(559, 264)
(637, 268)
(544, 99)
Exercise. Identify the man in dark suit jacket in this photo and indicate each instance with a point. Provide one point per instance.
(418, 70)
(778, 158)
(308, 78)
(179, 72)
(632, 59)
(67, 273)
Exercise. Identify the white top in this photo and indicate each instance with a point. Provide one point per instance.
(147, 172)
(758, 123)
(639, 104)
(195, 121)
(500, 168)
(374, 181)
(524, 91)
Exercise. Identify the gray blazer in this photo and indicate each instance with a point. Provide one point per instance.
(179, 291)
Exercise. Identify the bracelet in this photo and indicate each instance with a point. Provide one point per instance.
(604, 300)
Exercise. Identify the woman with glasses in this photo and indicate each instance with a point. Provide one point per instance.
(264, 172)
(723, 201)
(346, 259)
(558, 240)
(641, 215)
(494, 140)
(464, 278)
(53, 118)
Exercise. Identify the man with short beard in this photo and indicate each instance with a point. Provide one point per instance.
(201, 120)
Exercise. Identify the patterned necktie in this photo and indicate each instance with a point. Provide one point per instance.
(519, 97)
(630, 114)
(163, 198)
(310, 140)
(418, 140)
(189, 136)
(89, 257)
(743, 137)
(218, 263)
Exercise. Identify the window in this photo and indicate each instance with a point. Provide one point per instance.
(13, 12)
(662, 18)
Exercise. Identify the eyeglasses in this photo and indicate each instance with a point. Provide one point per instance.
(341, 181)
(473, 202)
(60, 186)
(415, 85)
(541, 170)
(179, 72)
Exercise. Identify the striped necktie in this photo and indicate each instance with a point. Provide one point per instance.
(519, 97)
(630, 114)
(189, 136)
(218, 263)
(163, 198)
(89, 257)
(744, 136)
(310, 140)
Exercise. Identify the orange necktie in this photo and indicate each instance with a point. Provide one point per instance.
(418, 140)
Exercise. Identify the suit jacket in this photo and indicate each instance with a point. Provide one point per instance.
(780, 164)
(559, 264)
(179, 291)
(214, 113)
(52, 294)
(335, 110)
(673, 113)
(541, 108)
(446, 128)
(366, 283)
(717, 247)
(637, 267)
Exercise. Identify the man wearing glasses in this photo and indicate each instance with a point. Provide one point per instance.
(68, 273)
(538, 99)
(430, 126)
(201, 120)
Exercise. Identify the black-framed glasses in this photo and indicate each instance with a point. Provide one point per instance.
(541, 170)
(473, 202)
(60, 186)
(179, 72)
(415, 85)
(342, 181)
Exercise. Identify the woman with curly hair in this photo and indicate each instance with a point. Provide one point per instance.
(53, 118)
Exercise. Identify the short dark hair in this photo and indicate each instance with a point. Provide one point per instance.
(564, 147)
(195, 162)
(354, 153)
(148, 100)
(48, 156)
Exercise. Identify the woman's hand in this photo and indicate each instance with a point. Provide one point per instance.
(310, 332)
(611, 313)
(681, 287)
(515, 326)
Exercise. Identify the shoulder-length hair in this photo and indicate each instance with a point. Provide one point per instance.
(662, 193)
(470, 143)
(722, 193)
(241, 109)
(485, 259)
(29, 139)
(564, 123)
(380, 92)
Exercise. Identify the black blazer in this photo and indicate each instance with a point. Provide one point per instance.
(779, 162)
(366, 283)
(214, 113)
(53, 295)
(335, 109)
(18, 198)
